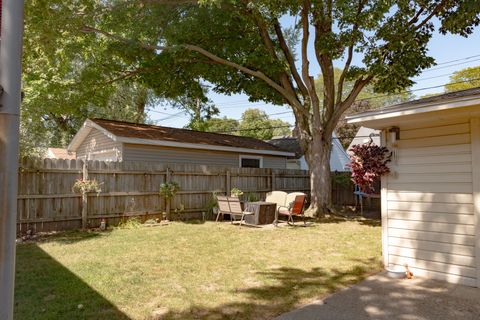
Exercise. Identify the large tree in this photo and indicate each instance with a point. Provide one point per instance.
(221, 125)
(254, 123)
(464, 79)
(69, 77)
(241, 46)
(366, 100)
(257, 124)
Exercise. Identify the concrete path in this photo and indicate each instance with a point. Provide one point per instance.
(380, 297)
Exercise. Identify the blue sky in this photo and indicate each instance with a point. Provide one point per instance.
(442, 48)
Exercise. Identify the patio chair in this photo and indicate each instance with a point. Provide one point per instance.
(359, 195)
(223, 206)
(236, 210)
(295, 208)
(277, 197)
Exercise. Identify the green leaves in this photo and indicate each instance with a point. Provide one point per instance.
(142, 49)
(464, 79)
(169, 189)
(255, 123)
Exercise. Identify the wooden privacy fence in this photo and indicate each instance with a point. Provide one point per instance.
(46, 201)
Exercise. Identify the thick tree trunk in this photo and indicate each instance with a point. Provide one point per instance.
(318, 158)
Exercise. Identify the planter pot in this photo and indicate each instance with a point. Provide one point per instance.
(395, 273)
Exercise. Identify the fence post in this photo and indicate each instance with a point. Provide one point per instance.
(168, 177)
(84, 196)
(272, 184)
(228, 183)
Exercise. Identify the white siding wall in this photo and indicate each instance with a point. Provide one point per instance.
(429, 219)
(97, 146)
(134, 152)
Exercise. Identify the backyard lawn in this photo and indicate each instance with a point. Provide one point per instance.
(190, 271)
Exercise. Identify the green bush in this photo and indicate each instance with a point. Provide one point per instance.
(235, 192)
(169, 189)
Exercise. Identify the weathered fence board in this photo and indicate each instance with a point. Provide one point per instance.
(46, 201)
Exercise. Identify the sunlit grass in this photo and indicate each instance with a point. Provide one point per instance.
(190, 271)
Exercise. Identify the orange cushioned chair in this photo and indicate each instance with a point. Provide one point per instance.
(295, 208)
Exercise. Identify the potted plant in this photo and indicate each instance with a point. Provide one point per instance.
(368, 162)
(235, 192)
(86, 186)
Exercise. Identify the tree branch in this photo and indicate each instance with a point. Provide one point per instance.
(270, 46)
(431, 15)
(255, 73)
(323, 26)
(344, 105)
(309, 81)
(126, 75)
(290, 60)
(346, 67)
(417, 15)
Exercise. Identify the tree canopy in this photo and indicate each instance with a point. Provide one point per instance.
(176, 48)
(464, 79)
(254, 123)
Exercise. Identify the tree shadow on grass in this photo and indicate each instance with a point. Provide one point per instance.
(289, 289)
(68, 237)
(336, 219)
(45, 289)
(370, 222)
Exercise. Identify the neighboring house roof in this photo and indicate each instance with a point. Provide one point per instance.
(60, 153)
(380, 118)
(289, 144)
(363, 136)
(338, 157)
(134, 133)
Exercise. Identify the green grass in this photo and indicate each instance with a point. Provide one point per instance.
(191, 271)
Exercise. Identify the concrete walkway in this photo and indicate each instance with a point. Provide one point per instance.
(380, 297)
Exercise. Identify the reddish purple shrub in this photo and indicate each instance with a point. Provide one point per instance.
(368, 162)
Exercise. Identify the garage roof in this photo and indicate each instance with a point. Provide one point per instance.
(135, 133)
(378, 118)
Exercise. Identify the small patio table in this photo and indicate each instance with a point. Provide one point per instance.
(264, 212)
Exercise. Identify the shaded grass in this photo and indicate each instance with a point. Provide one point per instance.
(191, 271)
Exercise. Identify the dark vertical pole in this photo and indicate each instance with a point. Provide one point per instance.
(10, 80)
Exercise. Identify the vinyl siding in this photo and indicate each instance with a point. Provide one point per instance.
(99, 147)
(134, 152)
(430, 215)
(274, 162)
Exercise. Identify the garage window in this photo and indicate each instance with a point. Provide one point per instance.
(251, 162)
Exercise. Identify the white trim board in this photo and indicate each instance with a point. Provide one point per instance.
(475, 136)
(414, 109)
(384, 208)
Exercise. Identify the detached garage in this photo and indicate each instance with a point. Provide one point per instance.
(431, 198)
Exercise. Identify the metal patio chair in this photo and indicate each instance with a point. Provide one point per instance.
(236, 210)
(223, 206)
(295, 208)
